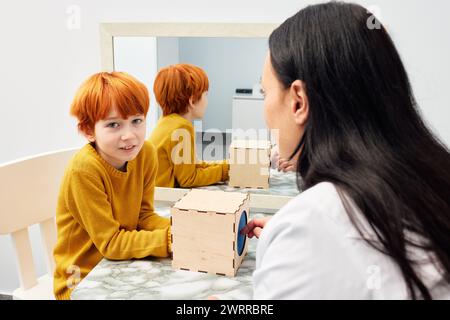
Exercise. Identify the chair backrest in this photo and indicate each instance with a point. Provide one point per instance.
(28, 195)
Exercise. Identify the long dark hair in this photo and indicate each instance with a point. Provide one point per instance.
(364, 132)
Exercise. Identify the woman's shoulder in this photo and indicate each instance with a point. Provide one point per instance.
(315, 213)
(315, 234)
(322, 201)
(325, 191)
(307, 239)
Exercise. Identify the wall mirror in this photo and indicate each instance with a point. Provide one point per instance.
(231, 54)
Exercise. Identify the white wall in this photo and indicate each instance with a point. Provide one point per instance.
(43, 62)
(168, 51)
(167, 54)
(230, 63)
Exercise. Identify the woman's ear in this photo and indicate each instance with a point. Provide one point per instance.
(299, 102)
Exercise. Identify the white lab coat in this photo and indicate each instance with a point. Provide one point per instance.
(311, 250)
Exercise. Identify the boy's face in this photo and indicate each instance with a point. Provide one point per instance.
(199, 108)
(119, 140)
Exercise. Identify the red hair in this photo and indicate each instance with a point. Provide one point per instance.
(176, 84)
(101, 91)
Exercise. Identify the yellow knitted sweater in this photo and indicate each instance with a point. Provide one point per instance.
(174, 139)
(104, 212)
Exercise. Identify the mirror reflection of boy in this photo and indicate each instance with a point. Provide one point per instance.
(105, 205)
(181, 91)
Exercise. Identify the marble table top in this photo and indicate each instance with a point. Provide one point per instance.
(154, 278)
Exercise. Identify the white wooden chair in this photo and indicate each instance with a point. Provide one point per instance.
(28, 195)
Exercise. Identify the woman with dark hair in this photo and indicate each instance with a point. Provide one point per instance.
(373, 220)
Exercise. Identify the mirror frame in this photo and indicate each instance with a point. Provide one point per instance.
(233, 30)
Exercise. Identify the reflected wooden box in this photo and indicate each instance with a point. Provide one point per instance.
(249, 164)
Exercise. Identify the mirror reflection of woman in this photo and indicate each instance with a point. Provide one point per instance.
(373, 221)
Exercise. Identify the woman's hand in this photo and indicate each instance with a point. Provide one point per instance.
(254, 227)
(286, 165)
(281, 164)
(274, 157)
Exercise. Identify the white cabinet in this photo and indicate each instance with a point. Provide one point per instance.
(248, 113)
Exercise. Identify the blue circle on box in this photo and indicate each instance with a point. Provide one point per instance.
(241, 237)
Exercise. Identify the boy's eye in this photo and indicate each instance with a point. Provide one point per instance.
(113, 125)
(137, 121)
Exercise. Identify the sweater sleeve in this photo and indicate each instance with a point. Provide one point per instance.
(189, 173)
(148, 219)
(222, 163)
(89, 205)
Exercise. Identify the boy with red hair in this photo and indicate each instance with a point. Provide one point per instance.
(181, 91)
(105, 205)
